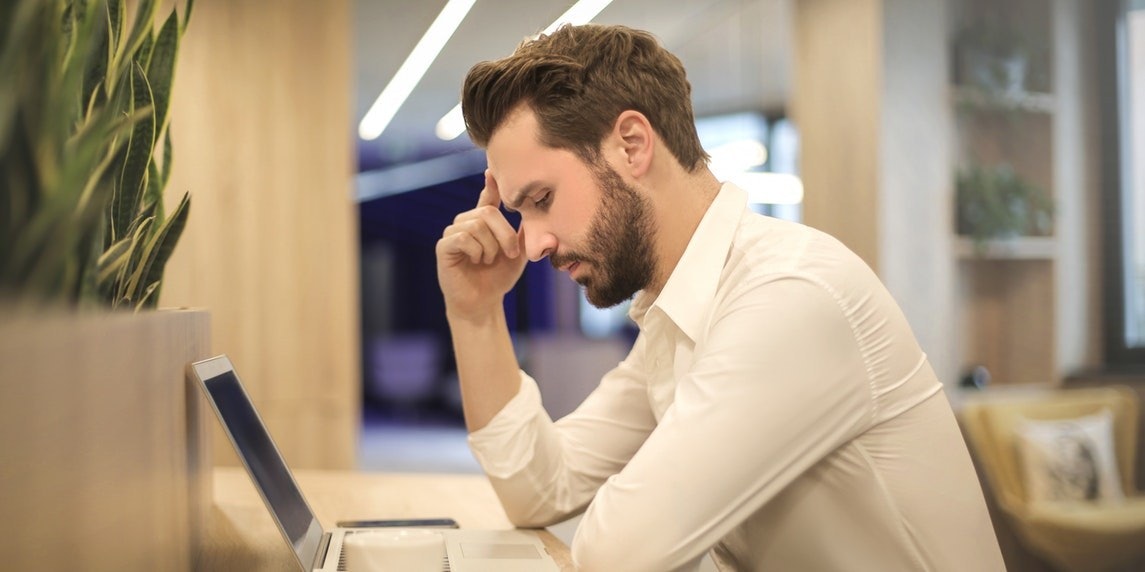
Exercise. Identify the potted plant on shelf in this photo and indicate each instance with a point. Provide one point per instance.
(97, 399)
(994, 202)
(992, 57)
(83, 105)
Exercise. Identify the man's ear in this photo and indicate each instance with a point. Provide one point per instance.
(636, 140)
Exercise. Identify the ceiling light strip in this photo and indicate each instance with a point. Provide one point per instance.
(412, 70)
(452, 125)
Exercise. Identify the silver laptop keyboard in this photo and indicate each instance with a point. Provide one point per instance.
(342, 560)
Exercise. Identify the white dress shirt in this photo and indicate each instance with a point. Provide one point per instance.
(775, 409)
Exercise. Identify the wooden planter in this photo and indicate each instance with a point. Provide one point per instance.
(104, 445)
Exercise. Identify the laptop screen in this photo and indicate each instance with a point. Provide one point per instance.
(264, 463)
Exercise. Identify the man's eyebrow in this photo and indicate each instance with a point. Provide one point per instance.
(515, 204)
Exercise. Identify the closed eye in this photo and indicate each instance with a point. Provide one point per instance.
(544, 200)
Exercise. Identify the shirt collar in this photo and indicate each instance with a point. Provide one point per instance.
(691, 288)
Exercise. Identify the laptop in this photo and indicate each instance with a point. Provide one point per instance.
(466, 550)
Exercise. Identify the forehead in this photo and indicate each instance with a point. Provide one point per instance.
(517, 158)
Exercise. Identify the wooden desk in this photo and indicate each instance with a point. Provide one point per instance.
(242, 536)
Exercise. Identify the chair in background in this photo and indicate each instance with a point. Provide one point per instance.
(1073, 535)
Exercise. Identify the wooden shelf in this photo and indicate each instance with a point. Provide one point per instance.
(1032, 102)
(1021, 306)
(1022, 248)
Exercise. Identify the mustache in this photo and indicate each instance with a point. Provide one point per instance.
(560, 260)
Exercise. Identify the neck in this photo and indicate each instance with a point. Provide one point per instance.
(679, 200)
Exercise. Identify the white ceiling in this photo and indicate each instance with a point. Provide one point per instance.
(737, 53)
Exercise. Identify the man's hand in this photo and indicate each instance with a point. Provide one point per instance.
(479, 257)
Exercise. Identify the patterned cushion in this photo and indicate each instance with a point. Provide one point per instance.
(1069, 460)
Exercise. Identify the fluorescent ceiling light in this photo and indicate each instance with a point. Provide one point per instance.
(770, 188)
(412, 70)
(580, 13)
(452, 125)
(736, 157)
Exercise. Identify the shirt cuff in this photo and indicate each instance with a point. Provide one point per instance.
(505, 445)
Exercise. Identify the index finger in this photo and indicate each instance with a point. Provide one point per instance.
(490, 195)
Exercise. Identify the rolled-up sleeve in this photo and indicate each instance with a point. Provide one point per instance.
(545, 471)
(502, 447)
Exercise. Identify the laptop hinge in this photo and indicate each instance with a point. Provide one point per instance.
(320, 554)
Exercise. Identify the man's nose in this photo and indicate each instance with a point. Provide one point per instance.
(539, 243)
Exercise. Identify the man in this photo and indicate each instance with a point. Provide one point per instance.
(775, 408)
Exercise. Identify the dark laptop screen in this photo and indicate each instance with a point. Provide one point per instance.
(265, 464)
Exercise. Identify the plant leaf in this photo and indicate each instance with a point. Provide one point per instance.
(187, 13)
(149, 298)
(112, 260)
(92, 151)
(168, 156)
(88, 295)
(134, 171)
(16, 24)
(145, 213)
(163, 244)
(154, 194)
(96, 68)
(146, 48)
(161, 71)
(131, 272)
(116, 19)
(142, 28)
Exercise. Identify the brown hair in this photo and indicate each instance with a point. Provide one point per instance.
(578, 80)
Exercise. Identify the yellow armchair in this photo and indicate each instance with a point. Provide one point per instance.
(1078, 536)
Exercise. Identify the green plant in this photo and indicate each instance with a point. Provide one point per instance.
(992, 35)
(995, 202)
(992, 56)
(83, 103)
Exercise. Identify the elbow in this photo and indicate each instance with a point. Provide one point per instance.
(532, 507)
(522, 520)
(533, 511)
(599, 557)
(632, 556)
(535, 519)
(595, 550)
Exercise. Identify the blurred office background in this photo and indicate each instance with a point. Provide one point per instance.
(312, 245)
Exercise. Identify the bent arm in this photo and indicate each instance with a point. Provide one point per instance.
(545, 471)
(486, 366)
(478, 261)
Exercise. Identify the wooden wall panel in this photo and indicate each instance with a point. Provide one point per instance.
(263, 139)
(104, 464)
(1011, 306)
(836, 101)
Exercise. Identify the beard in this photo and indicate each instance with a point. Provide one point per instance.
(619, 243)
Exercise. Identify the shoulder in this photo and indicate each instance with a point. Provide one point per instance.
(766, 249)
